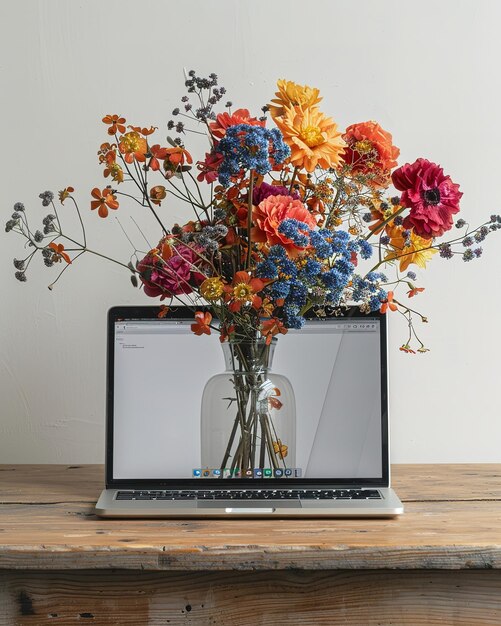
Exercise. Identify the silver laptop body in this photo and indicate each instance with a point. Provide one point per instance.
(156, 372)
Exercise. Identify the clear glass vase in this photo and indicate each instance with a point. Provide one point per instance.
(248, 420)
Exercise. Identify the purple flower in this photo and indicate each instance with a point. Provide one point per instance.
(265, 190)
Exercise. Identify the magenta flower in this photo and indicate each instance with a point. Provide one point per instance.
(173, 277)
(431, 197)
(264, 190)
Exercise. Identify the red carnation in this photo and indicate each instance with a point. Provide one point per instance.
(431, 197)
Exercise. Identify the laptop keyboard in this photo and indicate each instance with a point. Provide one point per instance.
(251, 494)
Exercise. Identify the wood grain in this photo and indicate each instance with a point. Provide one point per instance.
(368, 598)
(430, 535)
(55, 528)
(83, 483)
(438, 564)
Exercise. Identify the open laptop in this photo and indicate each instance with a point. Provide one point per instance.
(157, 370)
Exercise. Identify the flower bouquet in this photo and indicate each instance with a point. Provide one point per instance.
(290, 216)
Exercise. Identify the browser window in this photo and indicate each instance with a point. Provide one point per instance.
(161, 369)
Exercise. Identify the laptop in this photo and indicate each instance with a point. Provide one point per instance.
(156, 372)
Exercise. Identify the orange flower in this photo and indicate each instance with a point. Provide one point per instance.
(291, 94)
(267, 308)
(133, 146)
(270, 213)
(275, 403)
(65, 193)
(388, 303)
(157, 194)
(225, 120)
(406, 348)
(157, 154)
(104, 200)
(116, 172)
(174, 160)
(380, 215)
(117, 124)
(414, 291)
(243, 290)
(280, 449)
(108, 155)
(59, 252)
(313, 138)
(144, 131)
(177, 156)
(164, 309)
(166, 248)
(202, 323)
(370, 151)
(272, 327)
(105, 150)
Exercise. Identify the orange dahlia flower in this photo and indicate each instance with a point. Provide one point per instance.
(225, 120)
(291, 94)
(313, 138)
(270, 213)
(370, 150)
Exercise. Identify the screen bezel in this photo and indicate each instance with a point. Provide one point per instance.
(118, 313)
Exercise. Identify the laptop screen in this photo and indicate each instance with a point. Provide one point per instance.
(160, 370)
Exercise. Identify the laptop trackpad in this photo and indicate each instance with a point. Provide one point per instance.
(234, 505)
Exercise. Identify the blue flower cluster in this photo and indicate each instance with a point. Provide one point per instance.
(297, 280)
(367, 289)
(250, 148)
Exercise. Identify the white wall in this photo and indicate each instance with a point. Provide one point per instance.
(427, 71)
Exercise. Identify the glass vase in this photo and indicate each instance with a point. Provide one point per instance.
(248, 419)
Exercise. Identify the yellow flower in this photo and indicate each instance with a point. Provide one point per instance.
(418, 253)
(313, 138)
(212, 288)
(133, 146)
(116, 172)
(291, 94)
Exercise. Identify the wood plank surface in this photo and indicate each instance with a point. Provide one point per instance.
(430, 535)
(363, 598)
(83, 483)
(47, 522)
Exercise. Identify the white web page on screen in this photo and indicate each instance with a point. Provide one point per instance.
(161, 368)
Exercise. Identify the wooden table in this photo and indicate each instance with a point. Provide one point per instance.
(439, 564)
